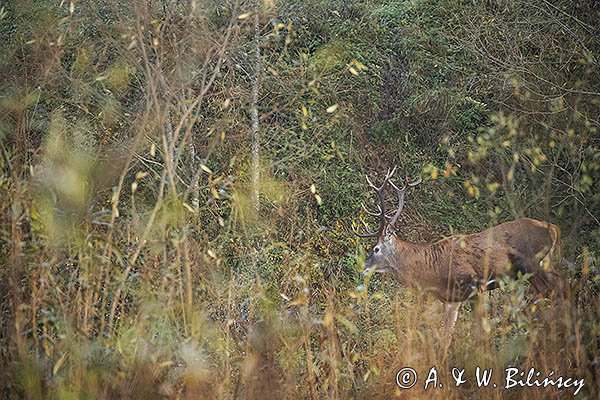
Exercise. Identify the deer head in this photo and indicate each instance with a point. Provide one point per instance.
(384, 254)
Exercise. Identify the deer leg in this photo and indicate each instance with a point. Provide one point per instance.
(451, 314)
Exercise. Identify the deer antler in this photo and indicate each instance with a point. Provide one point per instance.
(380, 190)
(400, 193)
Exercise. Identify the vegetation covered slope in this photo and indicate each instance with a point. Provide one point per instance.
(133, 263)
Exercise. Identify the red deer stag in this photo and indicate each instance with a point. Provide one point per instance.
(458, 266)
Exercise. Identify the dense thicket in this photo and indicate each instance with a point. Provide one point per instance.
(133, 264)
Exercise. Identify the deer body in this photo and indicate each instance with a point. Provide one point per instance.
(457, 267)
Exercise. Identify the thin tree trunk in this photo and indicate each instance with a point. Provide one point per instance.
(254, 111)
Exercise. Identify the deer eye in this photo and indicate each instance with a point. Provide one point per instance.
(376, 250)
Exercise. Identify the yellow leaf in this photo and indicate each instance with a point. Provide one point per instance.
(510, 175)
(448, 171)
(533, 308)
(59, 363)
(434, 173)
(244, 15)
(304, 111)
(492, 187)
(205, 169)
(318, 199)
(34, 213)
(353, 71)
(313, 189)
(332, 108)
(188, 207)
(211, 253)
(299, 301)
(360, 65)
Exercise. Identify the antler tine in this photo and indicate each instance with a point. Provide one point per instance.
(415, 183)
(364, 235)
(370, 183)
(380, 190)
(400, 194)
(390, 173)
(373, 213)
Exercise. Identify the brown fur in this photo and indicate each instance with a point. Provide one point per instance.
(457, 267)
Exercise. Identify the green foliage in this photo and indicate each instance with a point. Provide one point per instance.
(132, 261)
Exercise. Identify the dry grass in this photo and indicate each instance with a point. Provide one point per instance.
(193, 326)
(131, 269)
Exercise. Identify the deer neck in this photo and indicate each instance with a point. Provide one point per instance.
(412, 262)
